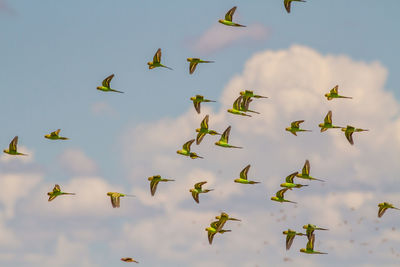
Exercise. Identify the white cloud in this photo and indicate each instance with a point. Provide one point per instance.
(218, 37)
(357, 177)
(77, 162)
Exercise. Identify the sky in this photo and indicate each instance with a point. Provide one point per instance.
(54, 55)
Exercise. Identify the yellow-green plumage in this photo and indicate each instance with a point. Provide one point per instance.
(198, 190)
(12, 148)
(243, 177)
(57, 192)
(228, 18)
(105, 87)
(157, 61)
(185, 151)
(383, 207)
(55, 136)
(115, 198)
(223, 141)
(154, 180)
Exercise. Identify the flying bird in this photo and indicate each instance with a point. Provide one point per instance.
(327, 123)
(310, 228)
(115, 198)
(249, 94)
(212, 230)
(287, 4)
(12, 149)
(334, 93)
(194, 62)
(289, 182)
(57, 192)
(305, 173)
(223, 218)
(157, 61)
(243, 177)
(203, 130)
(310, 246)
(106, 85)
(154, 180)
(128, 260)
(198, 190)
(280, 196)
(186, 150)
(348, 132)
(223, 141)
(197, 100)
(244, 105)
(295, 127)
(383, 207)
(228, 18)
(237, 106)
(55, 136)
(290, 235)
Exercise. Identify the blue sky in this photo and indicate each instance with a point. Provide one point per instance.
(54, 55)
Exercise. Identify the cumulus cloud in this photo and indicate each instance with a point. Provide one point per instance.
(218, 37)
(357, 177)
(77, 162)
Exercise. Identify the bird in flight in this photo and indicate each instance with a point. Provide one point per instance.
(228, 18)
(12, 149)
(157, 61)
(105, 87)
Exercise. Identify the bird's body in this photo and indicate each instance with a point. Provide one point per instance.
(245, 104)
(289, 182)
(305, 173)
(115, 198)
(287, 4)
(279, 196)
(237, 106)
(223, 141)
(197, 100)
(310, 246)
(157, 61)
(290, 235)
(129, 260)
(185, 151)
(154, 180)
(334, 93)
(203, 130)
(12, 148)
(328, 123)
(194, 62)
(198, 190)
(348, 132)
(295, 127)
(383, 207)
(223, 218)
(215, 227)
(310, 228)
(243, 177)
(228, 19)
(250, 94)
(57, 192)
(105, 87)
(55, 136)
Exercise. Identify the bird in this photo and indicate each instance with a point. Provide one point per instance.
(249, 94)
(290, 235)
(280, 196)
(289, 182)
(223, 141)
(128, 260)
(295, 127)
(310, 228)
(244, 105)
(310, 247)
(327, 123)
(236, 107)
(212, 230)
(186, 150)
(154, 180)
(197, 100)
(55, 136)
(383, 207)
(348, 132)
(243, 177)
(287, 4)
(334, 93)
(57, 192)
(223, 218)
(198, 190)
(106, 85)
(203, 130)
(228, 18)
(194, 62)
(157, 61)
(305, 173)
(115, 198)
(12, 149)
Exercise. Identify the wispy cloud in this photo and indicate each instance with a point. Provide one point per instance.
(218, 37)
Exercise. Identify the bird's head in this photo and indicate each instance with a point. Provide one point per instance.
(327, 95)
(302, 250)
(98, 87)
(283, 185)
(109, 193)
(237, 180)
(47, 136)
(288, 129)
(150, 178)
(274, 198)
(321, 125)
(198, 130)
(5, 151)
(192, 98)
(179, 152)
(191, 190)
(189, 59)
(221, 21)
